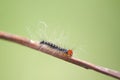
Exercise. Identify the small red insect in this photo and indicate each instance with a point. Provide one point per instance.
(67, 52)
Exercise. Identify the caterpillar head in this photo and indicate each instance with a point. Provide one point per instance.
(69, 52)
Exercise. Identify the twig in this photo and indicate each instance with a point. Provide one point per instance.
(35, 45)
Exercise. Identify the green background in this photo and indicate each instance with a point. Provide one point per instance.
(91, 27)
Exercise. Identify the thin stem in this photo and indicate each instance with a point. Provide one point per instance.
(35, 45)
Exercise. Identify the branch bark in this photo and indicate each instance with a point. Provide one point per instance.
(35, 45)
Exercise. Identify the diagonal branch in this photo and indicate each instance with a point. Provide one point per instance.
(35, 45)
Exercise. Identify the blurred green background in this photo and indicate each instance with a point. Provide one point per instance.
(92, 29)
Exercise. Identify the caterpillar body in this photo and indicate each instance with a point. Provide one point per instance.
(68, 52)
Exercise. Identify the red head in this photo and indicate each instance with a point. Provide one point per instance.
(70, 52)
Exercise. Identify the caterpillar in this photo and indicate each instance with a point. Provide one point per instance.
(68, 52)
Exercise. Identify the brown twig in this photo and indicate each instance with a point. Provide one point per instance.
(45, 49)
